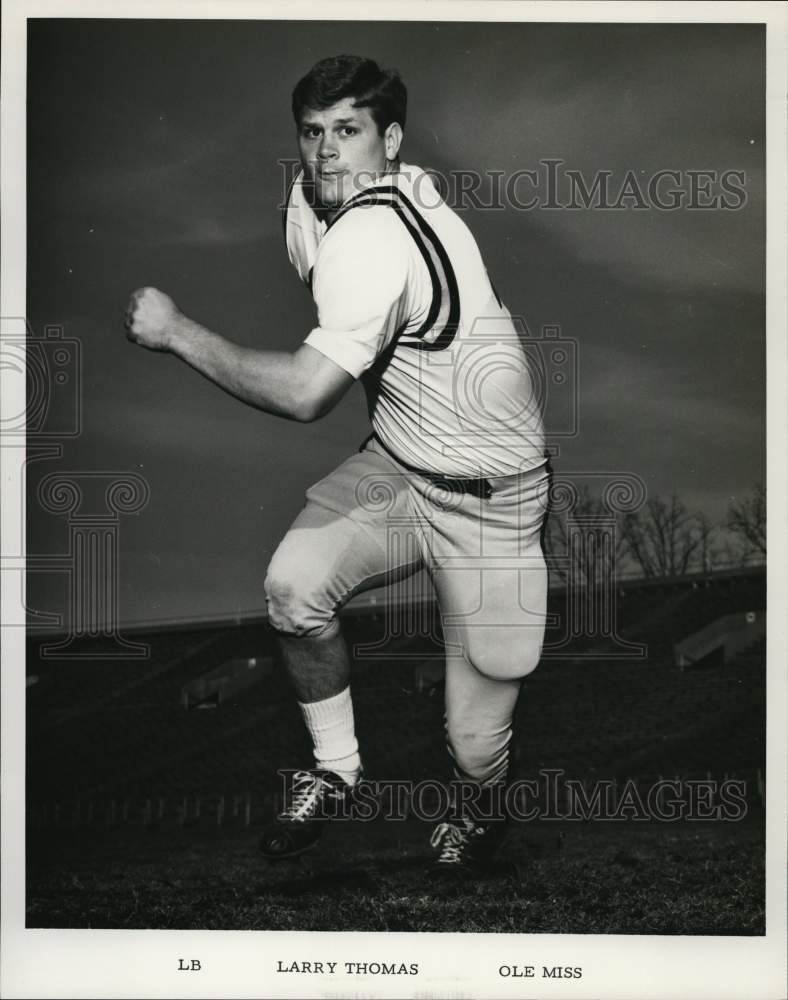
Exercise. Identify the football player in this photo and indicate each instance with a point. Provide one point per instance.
(455, 460)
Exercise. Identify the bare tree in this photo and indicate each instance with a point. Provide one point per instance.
(664, 539)
(583, 544)
(588, 543)
(747, 520)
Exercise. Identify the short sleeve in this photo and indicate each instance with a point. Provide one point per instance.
(358, 283)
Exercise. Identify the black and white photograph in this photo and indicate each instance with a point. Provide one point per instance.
(387, 455)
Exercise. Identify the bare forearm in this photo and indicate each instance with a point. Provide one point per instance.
(301, 386)
(268, 380)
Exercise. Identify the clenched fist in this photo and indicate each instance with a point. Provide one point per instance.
(151, 319)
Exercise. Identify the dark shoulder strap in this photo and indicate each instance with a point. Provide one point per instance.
(444, 312)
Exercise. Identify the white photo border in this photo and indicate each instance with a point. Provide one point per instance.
(113, 963)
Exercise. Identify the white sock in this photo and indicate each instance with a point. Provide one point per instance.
(330, 724)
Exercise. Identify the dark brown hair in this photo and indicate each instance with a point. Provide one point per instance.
(333, 79)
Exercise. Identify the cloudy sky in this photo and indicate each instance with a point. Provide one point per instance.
(154, 157)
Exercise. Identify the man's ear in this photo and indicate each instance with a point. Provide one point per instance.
(393, 140)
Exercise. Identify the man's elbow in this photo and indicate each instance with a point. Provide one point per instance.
(307, 409)
(317, 387)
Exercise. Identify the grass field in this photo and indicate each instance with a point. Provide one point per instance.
(554, 877)
(144, 813)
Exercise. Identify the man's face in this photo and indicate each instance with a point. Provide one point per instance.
(341, 150)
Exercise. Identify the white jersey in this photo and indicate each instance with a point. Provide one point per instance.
(405, 304)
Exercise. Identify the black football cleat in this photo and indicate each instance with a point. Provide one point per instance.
(466, 847)
(313, 798)
(472, 829)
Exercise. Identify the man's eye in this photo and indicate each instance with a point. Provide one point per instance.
(349, 130)
(310, 133)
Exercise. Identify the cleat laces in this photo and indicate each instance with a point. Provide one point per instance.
(453, 840)
(307, 793)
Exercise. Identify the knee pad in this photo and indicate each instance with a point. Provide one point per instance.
(295, 605)
(502, 655)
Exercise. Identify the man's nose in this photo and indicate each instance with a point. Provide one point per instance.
(327, 147)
